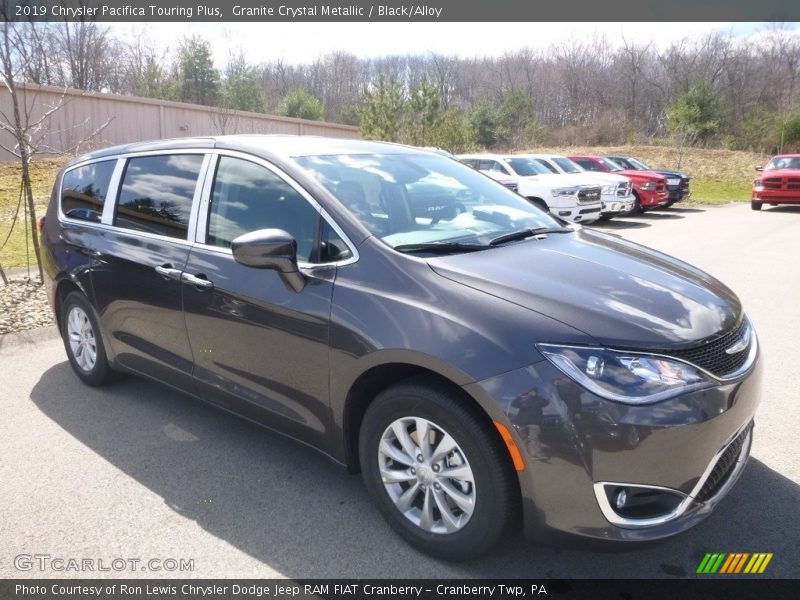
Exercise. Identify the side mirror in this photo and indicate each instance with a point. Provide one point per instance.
(270, 249)
(759, 168)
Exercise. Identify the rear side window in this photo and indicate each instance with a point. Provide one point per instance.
(84, 190)
(247, 197)
(156, 194)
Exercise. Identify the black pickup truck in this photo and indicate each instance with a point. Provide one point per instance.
(677, 181)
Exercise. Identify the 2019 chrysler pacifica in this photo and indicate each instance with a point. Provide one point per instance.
(479, 361)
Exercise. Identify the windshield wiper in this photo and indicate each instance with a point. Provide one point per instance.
(526, 233)
(443, 247)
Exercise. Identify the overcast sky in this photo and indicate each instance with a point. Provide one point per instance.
(303, 42)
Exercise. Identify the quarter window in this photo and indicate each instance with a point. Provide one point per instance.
(84, 190)
(156, 194)
(247, 197)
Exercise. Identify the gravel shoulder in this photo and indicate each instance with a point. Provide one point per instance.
(23, 306)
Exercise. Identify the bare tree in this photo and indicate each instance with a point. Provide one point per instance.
(28, 131)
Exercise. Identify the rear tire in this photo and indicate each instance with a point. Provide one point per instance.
(755, 205)
(83, 342)
(455, 518)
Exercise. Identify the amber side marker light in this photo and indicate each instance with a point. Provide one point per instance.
(516, 455)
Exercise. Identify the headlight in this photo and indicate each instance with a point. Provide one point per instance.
(568, 191)
(609, 189)
(758, 183)
(674, 181)
(649, 186)
(626, 377)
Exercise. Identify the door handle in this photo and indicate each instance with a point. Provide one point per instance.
(168, 272)
(197, 281)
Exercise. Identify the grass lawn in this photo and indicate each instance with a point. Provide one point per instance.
(719, 192)
(42, 175)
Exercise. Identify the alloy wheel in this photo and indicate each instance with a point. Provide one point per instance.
(427, 475)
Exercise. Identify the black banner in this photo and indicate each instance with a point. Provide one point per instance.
(402, 10)
(732, 588)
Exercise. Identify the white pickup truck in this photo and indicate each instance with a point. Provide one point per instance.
(569, 198)
(616, 190)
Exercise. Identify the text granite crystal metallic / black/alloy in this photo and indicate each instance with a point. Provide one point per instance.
(485, 365)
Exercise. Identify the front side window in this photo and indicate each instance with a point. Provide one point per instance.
(422, 199)
(247, 196)
(611, 165)
(84, 190)
(157, 192)
(527, 167)
(546, 164)
(588, 164)
(567, 165)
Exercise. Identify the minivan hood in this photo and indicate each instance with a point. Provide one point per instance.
(621, 294)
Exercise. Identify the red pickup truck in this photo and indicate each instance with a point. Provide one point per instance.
(778, 183)
(650, 189)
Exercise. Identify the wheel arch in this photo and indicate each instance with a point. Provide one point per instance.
(372, 380)
(63, 287)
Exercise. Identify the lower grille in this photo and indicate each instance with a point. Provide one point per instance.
(724, 467)
(713, 357)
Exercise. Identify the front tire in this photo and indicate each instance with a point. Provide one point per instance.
(83, 342)
(437, 471)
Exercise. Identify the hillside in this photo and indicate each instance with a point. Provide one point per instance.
(718, 176)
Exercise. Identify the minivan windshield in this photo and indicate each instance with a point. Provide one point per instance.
(414, 199)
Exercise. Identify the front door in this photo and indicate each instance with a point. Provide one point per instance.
(260, 348)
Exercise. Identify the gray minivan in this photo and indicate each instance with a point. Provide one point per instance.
(484, 365)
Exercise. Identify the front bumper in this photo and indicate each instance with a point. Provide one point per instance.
(572, 440)
(768, 196)
(678, 192)
(615, 205)
(653, 198)
(578, 213)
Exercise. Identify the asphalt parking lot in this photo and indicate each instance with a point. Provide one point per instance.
(138, 471)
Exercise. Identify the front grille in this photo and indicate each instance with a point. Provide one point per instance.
(685, 183)
(772, 183)
(589, 194)
(512, 186)
(724, 467)
(712, 357)
(793, 183)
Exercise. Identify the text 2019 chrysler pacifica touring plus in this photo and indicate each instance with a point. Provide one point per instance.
(481, 363)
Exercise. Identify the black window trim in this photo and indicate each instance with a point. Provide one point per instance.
(203, 207)
(199, 186)
(111, 194)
